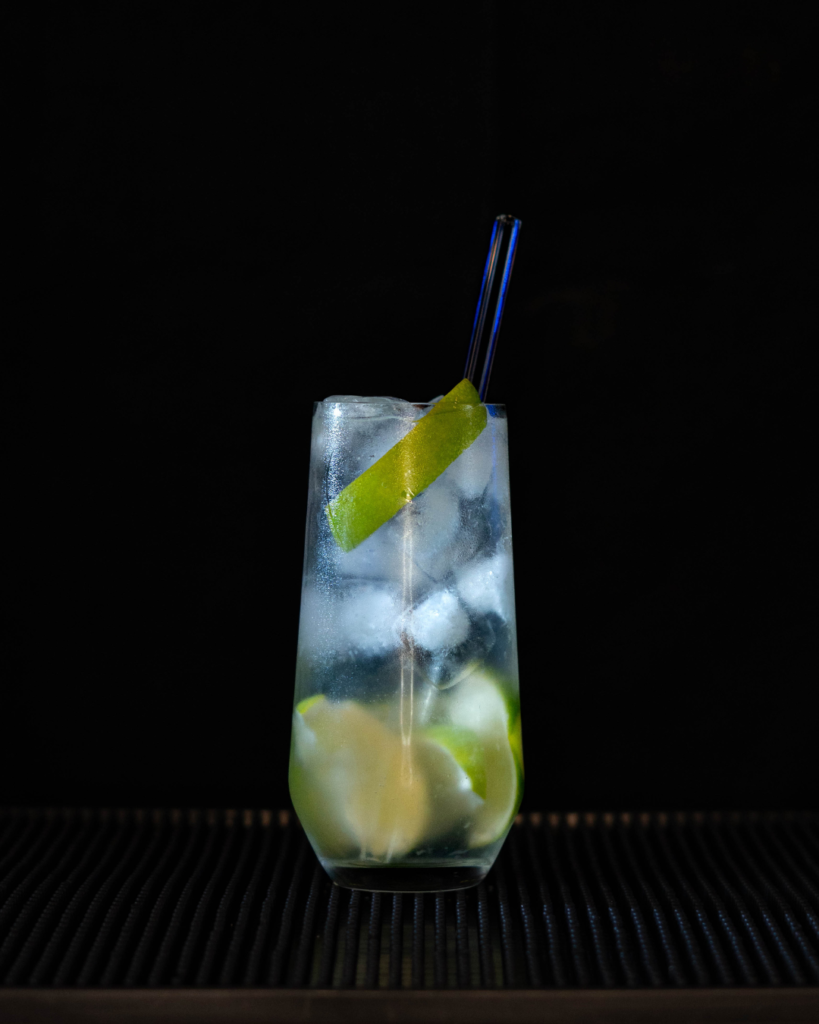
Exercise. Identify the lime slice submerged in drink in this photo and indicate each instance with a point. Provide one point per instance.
(481, 706)
(408, 468)
(466, 750)
(364, 792)
(356, 787)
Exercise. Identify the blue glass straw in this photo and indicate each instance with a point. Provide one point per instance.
(502, 248)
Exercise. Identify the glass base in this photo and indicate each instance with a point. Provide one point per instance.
(433, 878)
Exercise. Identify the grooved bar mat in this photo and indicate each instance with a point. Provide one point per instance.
(163, 899)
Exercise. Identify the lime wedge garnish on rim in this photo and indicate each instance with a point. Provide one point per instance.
(408, 468)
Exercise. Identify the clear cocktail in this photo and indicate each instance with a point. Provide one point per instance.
(406, 768)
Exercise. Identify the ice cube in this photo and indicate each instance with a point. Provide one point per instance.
(447, 666)
(358, 433)
(368, 620)
(486, 456)
(379, 557)
(487, 585)
(439, 622)
(377, 405)
(430, 523)
(363, 622)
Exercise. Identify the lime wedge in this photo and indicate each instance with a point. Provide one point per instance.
(482, 706)
(466, 748)
(408, 468)
(356, 788)
(453, 764)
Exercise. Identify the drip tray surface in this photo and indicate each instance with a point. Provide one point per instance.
(212, 915)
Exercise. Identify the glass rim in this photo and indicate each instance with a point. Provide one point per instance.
(415, 405)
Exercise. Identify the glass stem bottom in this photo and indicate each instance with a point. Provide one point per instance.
(405, 879)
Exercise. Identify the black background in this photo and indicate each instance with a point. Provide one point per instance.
(230, 211)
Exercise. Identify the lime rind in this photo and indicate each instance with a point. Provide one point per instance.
(465, 747)
(516, 743)
(489, 707)
(304, 706)
(408, 468)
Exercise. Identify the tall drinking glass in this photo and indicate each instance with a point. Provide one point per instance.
(406, 768)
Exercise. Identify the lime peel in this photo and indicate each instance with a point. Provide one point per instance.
(516, 743)
(467, 750)
(487, 705)
(408, 468)
(308, 702)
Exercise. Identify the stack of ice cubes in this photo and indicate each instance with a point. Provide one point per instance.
(436, 579)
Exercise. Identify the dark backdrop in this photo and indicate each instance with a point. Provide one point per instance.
(229, 212)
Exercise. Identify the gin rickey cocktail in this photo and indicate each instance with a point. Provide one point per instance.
(406, 767)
